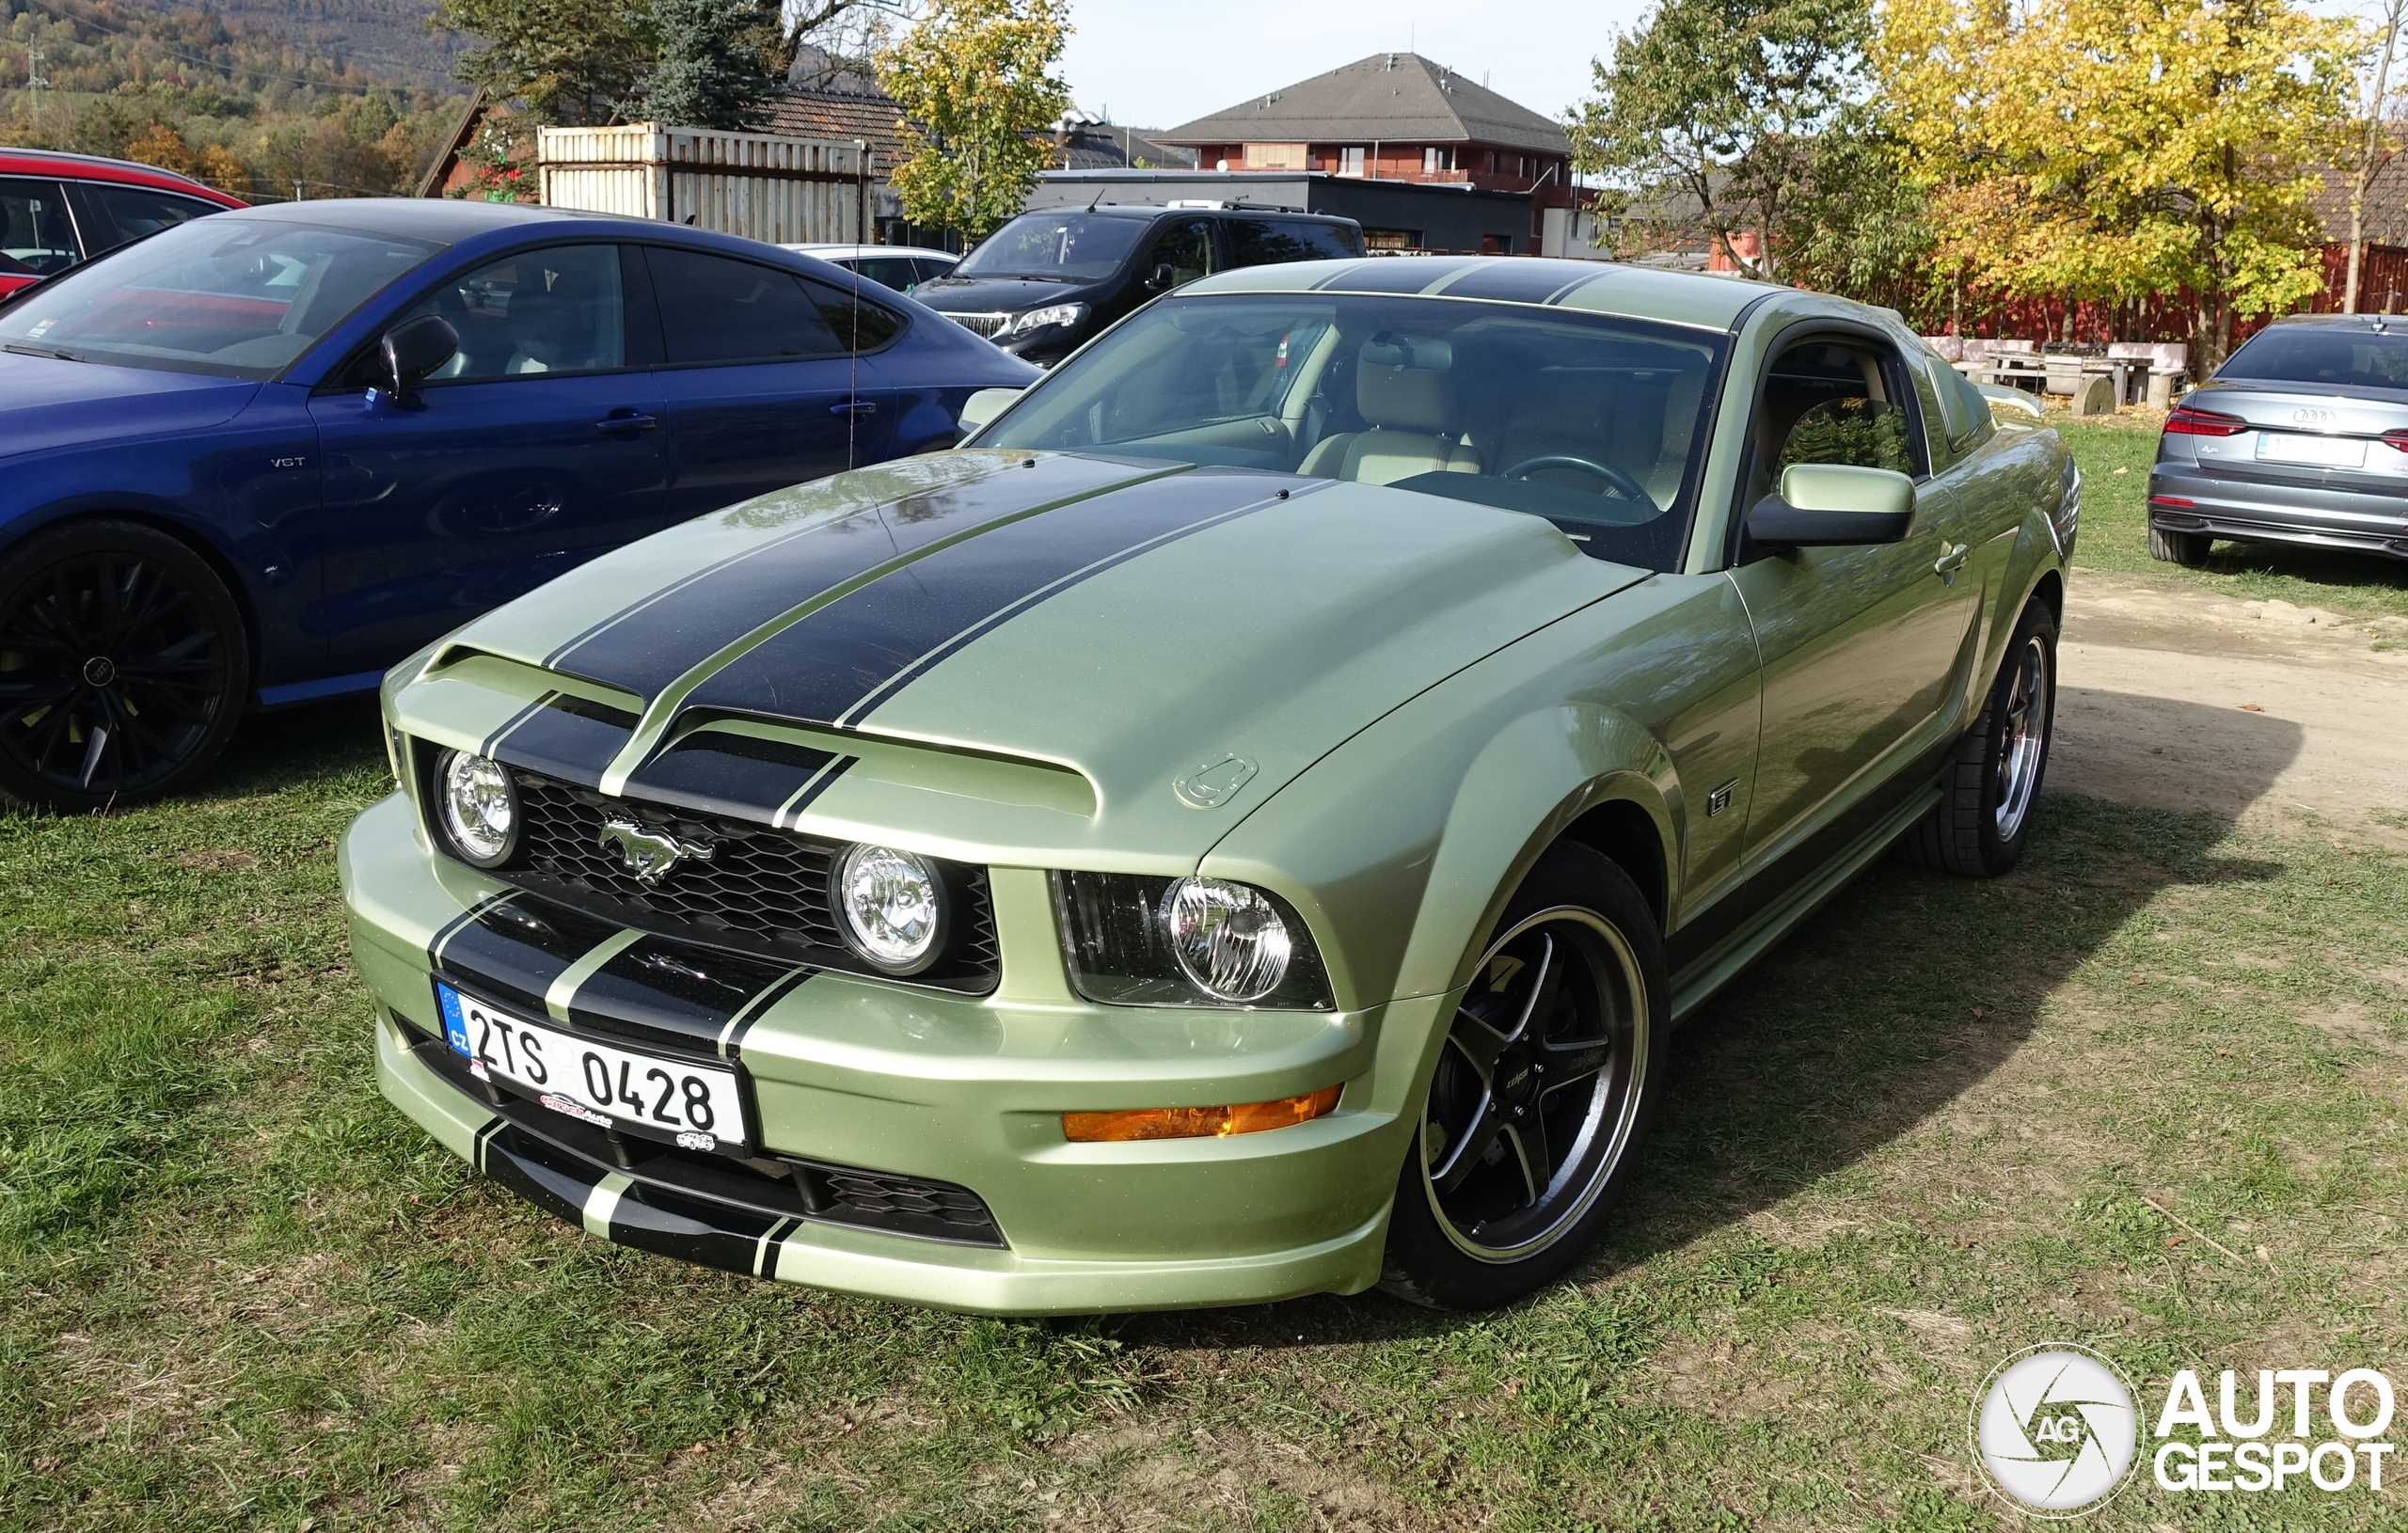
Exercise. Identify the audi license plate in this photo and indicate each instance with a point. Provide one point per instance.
(695, 1105)
(2322, 451)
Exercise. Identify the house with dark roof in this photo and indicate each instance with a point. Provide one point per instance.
(1391, 117)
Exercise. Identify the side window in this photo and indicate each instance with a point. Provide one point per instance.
(857, 323)
(1259, 242)
(1833, 400)
(552, 310)
(1322, 241)
(36, 236)
(137, 211)
(888, 270)
(1186, 248)
(715, 309)
(931, 268)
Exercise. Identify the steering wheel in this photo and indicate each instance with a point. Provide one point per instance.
(1616, 480)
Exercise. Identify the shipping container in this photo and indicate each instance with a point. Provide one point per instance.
(787, 191)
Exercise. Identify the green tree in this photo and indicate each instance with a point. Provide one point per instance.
(971, 81)
(1707, 115)
(708, 69)
(2116, 149)
(571, 61)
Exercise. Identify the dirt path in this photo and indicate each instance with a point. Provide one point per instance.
(2179, 698)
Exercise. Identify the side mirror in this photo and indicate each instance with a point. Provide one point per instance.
(1162, 277)
(1832, 505)
(985, 405)
(414, 349)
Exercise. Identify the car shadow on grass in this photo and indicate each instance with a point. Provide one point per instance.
(288, 747)
(1901, 994)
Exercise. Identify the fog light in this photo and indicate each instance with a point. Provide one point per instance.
(1199, 1122)
(894, 907)
(478, 806)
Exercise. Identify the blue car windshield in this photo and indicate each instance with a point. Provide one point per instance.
(1589, 421)
(237, 297)
(1076, 247)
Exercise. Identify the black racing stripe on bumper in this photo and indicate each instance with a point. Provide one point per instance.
(708, 1235)
(825, 666)
(652, 645)
(732, 1042)
(512, 949)
(543, 1174)
(660, 991)
(714, 772)
(568, 738)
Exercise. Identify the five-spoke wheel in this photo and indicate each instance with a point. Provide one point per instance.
(1984, 816)
(1540, 1092)
(122, 666)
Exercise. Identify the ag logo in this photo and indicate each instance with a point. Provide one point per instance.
(2056, 1430)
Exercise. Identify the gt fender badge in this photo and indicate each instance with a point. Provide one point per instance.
(1216, 782)
(650, 855)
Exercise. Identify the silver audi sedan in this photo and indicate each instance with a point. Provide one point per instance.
(2301, 436)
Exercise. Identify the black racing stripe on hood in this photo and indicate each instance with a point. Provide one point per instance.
(714, 772)
(568, 738)
(854, 651)
(660, 991)
(660, 639)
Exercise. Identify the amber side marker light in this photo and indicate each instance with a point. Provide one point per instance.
(1197, 1122)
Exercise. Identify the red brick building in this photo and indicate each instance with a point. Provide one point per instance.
(1393, 117)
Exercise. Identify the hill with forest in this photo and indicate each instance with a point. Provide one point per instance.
(312, 97)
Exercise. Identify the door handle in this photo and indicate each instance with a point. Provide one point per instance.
(1947, 564)
(624, 420)
(854, 406)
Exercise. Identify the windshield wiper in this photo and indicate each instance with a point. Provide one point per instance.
(42, 351)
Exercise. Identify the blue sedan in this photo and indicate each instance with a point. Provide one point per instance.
(257, 458)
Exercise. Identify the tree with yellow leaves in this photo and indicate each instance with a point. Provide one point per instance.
(2120, 148)
(971, 78)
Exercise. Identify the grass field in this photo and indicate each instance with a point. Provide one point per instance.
(238, 1291)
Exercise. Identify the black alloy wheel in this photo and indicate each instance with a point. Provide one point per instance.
(123, 666)
(1540, 1095)
(1988, 790)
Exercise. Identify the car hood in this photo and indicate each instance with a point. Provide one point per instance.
(45, 403)
(1001, 295)
(1001, 655)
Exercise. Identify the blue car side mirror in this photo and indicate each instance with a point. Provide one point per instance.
(414, 349)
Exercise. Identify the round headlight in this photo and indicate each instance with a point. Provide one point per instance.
(479, 806)
(1228, 938)
(892, 905)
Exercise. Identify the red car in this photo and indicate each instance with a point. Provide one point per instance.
(58, 209)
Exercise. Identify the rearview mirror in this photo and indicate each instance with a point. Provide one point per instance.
(414, 349)
(984, 406)
(1830, 505)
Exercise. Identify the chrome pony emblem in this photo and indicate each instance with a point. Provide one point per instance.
(650, 855)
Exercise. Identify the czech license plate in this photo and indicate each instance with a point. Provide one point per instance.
(694, 1105)
(2321, 452)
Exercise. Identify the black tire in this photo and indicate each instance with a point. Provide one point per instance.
(123, 667)
(1992, 785)
(1573, 979)
(2189, 550)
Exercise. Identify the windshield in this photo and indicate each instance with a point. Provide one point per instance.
(1076, 247)
(223, 295)
(2320, 354)
(1588, 421)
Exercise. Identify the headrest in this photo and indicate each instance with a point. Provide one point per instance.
(1400, 383)
(1679, 411)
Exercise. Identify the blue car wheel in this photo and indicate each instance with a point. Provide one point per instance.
(123, 667)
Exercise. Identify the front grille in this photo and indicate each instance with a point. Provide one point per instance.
(763, 891)
(989, 326)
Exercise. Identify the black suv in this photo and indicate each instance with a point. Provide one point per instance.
(1046, 281)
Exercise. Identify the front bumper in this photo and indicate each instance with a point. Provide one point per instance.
(871, 1082)
(2228, 505)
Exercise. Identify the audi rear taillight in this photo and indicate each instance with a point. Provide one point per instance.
(2186, 421)
(2397, 440)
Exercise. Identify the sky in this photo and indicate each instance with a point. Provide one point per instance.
(1156, 65)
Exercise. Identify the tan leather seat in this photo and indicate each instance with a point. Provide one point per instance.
(1412, 415)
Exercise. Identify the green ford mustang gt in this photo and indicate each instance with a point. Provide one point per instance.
(1243, 826)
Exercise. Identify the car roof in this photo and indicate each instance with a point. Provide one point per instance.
(830, 252)
(1158, 209)
(442, 218)
(1598, 287)
(2338, 321)
(44, 162)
